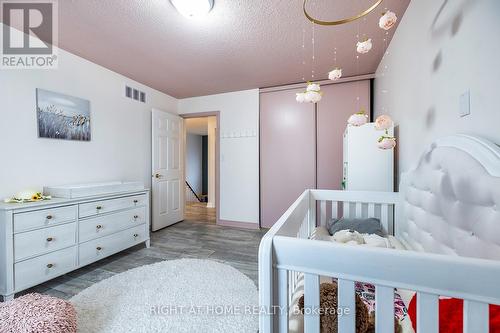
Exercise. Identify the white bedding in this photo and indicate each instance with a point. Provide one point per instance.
(321, 233)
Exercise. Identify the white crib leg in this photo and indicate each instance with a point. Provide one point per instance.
(283, 300)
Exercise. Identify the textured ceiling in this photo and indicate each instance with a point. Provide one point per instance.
(241, 44)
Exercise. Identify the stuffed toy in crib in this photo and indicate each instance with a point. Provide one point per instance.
(365, 321)
(352, 237)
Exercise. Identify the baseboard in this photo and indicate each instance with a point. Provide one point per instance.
(236, 224)
(210, 205)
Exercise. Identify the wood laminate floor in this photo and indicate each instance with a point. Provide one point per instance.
(187, 239)
(198, 211)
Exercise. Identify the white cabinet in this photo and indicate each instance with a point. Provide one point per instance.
(40, 241)
(367, 167)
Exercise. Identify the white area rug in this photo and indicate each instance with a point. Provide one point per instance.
(187, 295)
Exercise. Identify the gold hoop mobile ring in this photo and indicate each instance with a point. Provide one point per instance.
(345, 20)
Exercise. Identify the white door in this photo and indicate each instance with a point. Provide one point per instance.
(168, 167)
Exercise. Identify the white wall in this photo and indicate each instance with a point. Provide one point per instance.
(120, 148)
(194, 151)
(436, 54)
(239, 156)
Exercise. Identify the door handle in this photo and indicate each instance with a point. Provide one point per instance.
(158, 176)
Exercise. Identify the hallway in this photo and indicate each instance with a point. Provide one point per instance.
(198, 212)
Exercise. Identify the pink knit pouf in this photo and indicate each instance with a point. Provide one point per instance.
(37, 313)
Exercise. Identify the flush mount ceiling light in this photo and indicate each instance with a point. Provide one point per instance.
(193, 8)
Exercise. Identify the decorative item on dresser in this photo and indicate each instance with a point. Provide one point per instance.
(42, 240)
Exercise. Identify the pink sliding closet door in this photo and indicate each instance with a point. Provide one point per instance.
(338, 103)
(287, 152)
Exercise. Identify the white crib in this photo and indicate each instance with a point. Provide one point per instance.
(447, 212)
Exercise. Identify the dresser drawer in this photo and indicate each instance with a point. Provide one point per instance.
(109, 224)
(44, 218)
(102, 247)
(36, 242)
(111, 205)
(37, 270)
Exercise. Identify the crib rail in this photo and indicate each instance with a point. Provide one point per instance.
(285, 252)
(356, 204)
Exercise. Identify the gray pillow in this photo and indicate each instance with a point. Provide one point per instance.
(363, 226)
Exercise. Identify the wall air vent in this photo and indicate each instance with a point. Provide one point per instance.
(135, 94)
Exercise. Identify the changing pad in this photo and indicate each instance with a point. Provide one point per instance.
(90, 189)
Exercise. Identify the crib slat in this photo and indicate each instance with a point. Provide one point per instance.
(359, 210)
(322, 213)
(476, 317)
(283, 300)
(384, 215)
(427, 313)
(311, 214)
(384, 309)
(371, 210)
(346, 207)
(335, 209)
(311, 303)
(304, 226)
(347, 302)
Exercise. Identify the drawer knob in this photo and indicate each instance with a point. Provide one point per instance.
(50, 239)
(49, 217)
(50, 265)
(98, 248)
(136, 235)
(136, 217)
(136, 201)
(98, 226)
(98, 207)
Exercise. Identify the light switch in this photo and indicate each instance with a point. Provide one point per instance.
(465, 104)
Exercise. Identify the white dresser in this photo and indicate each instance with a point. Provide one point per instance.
(40, 241)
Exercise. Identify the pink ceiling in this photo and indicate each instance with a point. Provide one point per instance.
(241, 44)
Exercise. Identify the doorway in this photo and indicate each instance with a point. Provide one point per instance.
(201, 167)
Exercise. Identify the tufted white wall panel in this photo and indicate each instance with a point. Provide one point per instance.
(451, 200)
